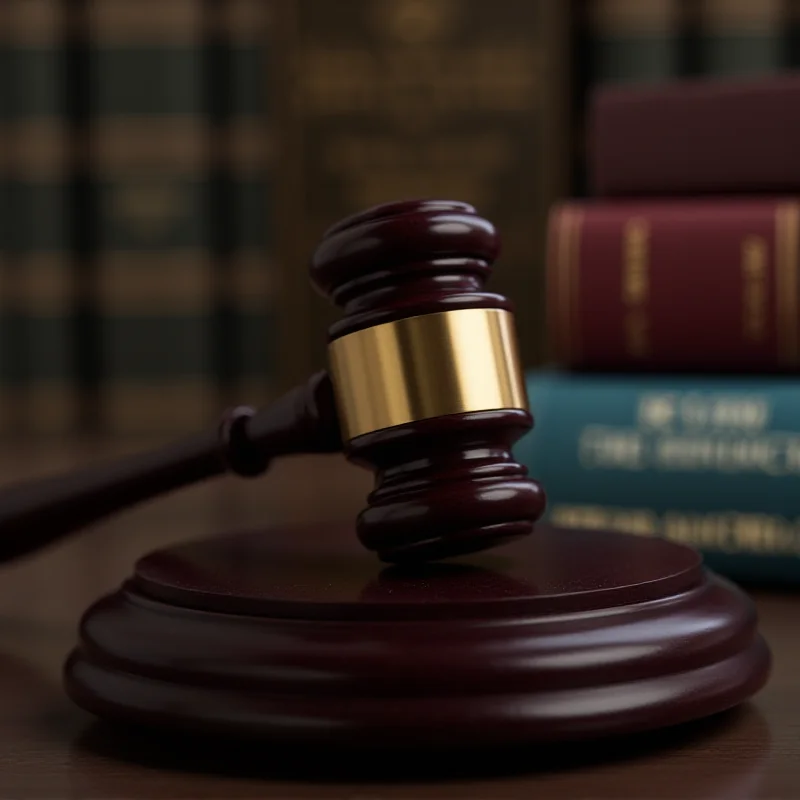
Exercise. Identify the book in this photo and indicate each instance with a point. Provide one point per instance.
(148, 157)
(704, 135)
(678, 285)
(620, 41)
(711, 461)
(239, 190)
(39, 392)
(381, 100)
(634, 41)
(740, 37)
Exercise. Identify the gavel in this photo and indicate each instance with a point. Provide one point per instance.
(424, 387)
(277, 635)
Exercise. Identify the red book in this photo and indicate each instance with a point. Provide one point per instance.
(674, 285)
(712, 135)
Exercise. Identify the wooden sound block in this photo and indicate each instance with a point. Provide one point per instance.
(298, 636)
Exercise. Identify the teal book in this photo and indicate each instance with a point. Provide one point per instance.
(713, 462)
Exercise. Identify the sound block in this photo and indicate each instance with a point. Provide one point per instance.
(298, 636)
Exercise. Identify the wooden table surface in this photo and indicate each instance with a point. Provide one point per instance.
(51, 749)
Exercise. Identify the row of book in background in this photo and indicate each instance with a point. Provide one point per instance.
(135, 283)
(168, 167)
(672, 405)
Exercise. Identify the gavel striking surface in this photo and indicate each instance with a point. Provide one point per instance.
(297, 636)
(445, 485)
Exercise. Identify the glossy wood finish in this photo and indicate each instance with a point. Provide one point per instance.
(37, 512)
(51, 748)
(294, 636)
(447, 486)
(406, 258)
(443, 487)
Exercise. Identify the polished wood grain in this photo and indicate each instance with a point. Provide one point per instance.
(448, 484)
(38, 511)
(49, 748)
(404, 258)
(294, 636)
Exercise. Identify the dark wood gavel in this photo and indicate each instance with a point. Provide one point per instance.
(568, 634)
(424, 387)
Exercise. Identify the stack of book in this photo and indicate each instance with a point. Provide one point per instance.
(672, 406)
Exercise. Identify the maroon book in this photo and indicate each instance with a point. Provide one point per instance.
(711, 135)
(674, 284)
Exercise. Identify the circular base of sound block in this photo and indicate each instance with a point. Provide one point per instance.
(297, 636)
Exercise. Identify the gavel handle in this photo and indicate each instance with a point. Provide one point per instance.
(38, 512)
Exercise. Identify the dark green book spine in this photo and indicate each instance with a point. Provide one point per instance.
(634, 40)
(626, 41)
(790, 35)
(8, 313)
(239, 194)
(742, 37)
(151, 149)
(40, 395)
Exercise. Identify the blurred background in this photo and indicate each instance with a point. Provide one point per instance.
(168, 167)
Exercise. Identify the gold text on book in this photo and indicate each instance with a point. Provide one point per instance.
(636, 285)
(754, 293)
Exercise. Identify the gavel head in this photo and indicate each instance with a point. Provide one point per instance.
(428, 383)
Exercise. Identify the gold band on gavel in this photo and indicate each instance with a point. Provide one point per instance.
(426, 366)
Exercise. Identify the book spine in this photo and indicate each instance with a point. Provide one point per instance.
(39, 385)
(610, 41)
(9, 324)
(683, 285)
(240, 177)
(790, 39)
(712, 463)
(635, 151)
(82, 204)
(634, 41)
(151, 149)
(741, 37)
(384, 101)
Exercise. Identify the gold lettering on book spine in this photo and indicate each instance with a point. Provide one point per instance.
(732, 532)
(568, 232)
(787, 217)
(754, 290)
(562, 285)
(574, 261)
(636, 285)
